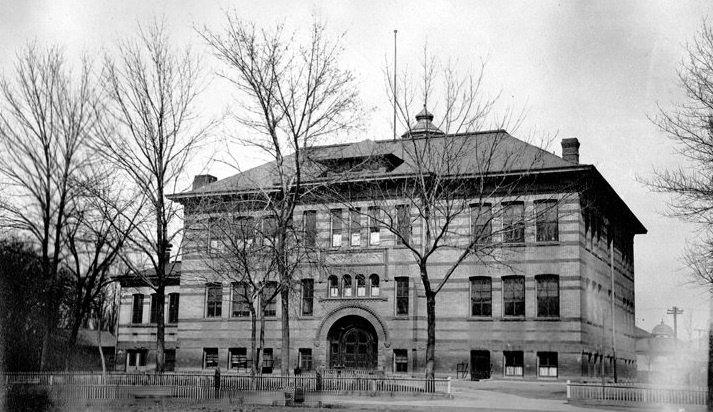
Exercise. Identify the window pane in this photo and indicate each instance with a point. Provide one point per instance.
(269, 227)
(481, 222)
(514, 296)
(374, 282)
(346, 286)
(267, 293)
(138, 309)
(514, 222)
(402, 293)
(307, 296)
(333, 286)
(355, 227)
(547, 296)
(215, 300)
(481, 296)
(173, 299)
(400, 360)
(210, 356)
(546, 218)
(336, 217)
(374, 233)
(403, 222)
(305, 360)
(154, 309)
(310, 225)
(241, 300)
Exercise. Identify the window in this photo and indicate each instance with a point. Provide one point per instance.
(402, 296)
(214, 298)
(154, 309)
(305, 359)
(547, 364)
(400, 360)
(246, 231)
(136, 357)
(137, 312)
(355, 228)
(346, 286)
(310, 225)
(481, 296)
(514, 222)
(241, 300)
(238, 358)
(173, 307)
(513, 363)
(333, 286)
(269, 292)
(403, 224)
(307, 296)
(170, 359)
(514, 296)
(210, 358)
(546, 221)
(374, 282)
(548, 300)
(361, 285)
(269, 228)
(336, 216)
(267, 360)
(481, 222)
(374, 233)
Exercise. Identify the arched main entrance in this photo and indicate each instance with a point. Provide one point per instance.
(353, 343)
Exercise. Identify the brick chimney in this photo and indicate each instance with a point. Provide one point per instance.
(202, 180)
(570, 150)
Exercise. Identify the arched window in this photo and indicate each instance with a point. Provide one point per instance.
(333, 286)
(346, 286)
(374, 281)
(361, 285)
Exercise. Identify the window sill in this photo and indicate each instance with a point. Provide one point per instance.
(513, 318)
(548, 318)
(518, 244)
(401, 317)
(547, 243)
(480, 319)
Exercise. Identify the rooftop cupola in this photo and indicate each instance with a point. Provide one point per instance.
(424, 125)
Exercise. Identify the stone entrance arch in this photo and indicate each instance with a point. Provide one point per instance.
(353, 344)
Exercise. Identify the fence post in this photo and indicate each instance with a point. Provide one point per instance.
(569, 394)
(448, 389)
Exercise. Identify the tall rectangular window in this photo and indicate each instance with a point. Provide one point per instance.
(403, 224)
(214, 300)
(173, 299)
(310, 227)
(154, 309)
(374, 231)
(548, 299)
(514, 361)
(307, 296)
(547, 364)
(246, 231)
(268, 293)
(137, 310)
(514, 222)
(241, 300)
(305, 359)
(170, 359)
(267, 360)
(481, 222)
(481, 296)
(136, 358)
(546, 220)
(336, 218)
(400, 360)
(210, 358)
(355, 228)
(514, 296)
(269, 228)
(402, 296)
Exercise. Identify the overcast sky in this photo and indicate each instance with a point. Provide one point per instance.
(585, 69)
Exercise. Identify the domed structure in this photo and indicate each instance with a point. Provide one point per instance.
(662, 330)
(424, 125)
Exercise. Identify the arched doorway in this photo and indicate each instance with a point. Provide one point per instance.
(353, 344)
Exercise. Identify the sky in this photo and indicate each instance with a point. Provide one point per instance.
(592, 70)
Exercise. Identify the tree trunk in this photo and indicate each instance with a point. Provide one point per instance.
(253, 343)
(431, 334)
(285, 351)
(101, 352)
(262, 341)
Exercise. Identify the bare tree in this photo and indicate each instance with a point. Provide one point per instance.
(152, 92)
(290, 96)
(455, 185)
(48, 115)
(690, 126)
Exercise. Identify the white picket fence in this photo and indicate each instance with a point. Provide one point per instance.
(637, 393)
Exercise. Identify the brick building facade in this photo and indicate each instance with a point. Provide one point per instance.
(544, 311)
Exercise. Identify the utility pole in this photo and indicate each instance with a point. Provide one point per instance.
(675, 311)
(395, 31)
